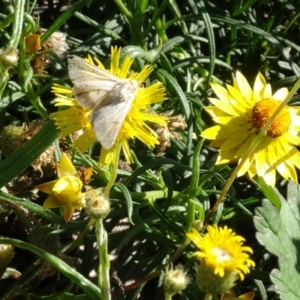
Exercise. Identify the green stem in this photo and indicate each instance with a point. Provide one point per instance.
(80, 237)
(124, 10)
(132, 21)
(114, 171)
(18, 23)
(103, 268)
(168, 296)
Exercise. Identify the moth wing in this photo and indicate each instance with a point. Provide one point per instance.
(108, 117)
(89, 98)
(78, 66)
(91, 84)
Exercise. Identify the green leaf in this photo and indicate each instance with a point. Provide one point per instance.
(90, 289)
(23, 157)
(128, 199)
(269, 192)
(63, 18)
(279, 232)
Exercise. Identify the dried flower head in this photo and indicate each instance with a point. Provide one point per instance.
(165, 133)
(57, 43)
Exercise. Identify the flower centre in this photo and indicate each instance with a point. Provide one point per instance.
(263, 110)
(221, 254)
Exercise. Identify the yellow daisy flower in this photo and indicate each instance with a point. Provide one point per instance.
(77, 118)
(66, 191)
(240, 113)
(223, 250)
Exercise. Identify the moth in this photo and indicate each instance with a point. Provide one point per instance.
(108, 96)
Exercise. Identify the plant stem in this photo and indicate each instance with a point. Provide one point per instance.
(103, 268)
(168, 296)
(80, 237)
(114, 171)
(18, 23)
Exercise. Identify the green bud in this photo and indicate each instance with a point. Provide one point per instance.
(212, 283)
(97, 205)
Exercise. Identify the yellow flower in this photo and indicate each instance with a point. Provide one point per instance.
(240, 113)
(222, 250)
(76, 118)
(66, 191)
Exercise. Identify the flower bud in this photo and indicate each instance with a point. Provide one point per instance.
(210, 282)
(67, 189)
(174, 280)
(97, 205)
(8, 58)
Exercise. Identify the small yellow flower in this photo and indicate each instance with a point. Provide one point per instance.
(66, 191)
(76, 118)
(240, 113)
(223, 250)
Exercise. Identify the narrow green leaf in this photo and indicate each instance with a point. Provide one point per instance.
(154, 164)
(32, 207)
(23, 157)
(63, 18)
(196, 171)
(171, 43)
(211, 40)
(128, 199)
(91, 289)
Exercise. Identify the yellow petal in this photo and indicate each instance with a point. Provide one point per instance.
(221, 92)
(46, 187)
(51, 202)
(215, 111)
(267, 92)
(226, 107)
(259, 83)
(243, 86)
(238, 97)
(65, 167)
(195, 237)
(295, 140)
(247, 296)
(68, 212)
(281, 94)
(226, 156)
(67, 189)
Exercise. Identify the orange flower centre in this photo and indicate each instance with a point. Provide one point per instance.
(263, 110)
